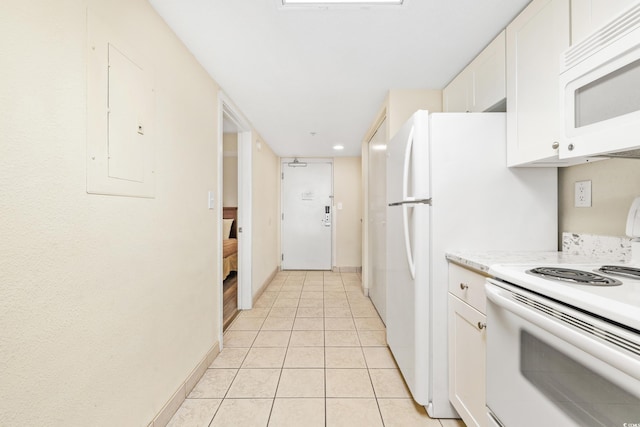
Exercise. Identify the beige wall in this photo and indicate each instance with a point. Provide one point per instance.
(402, 103)
(615, 183)
(106, 303)
(347, 184)
(230, 169)
(266, 213)
(399, 105)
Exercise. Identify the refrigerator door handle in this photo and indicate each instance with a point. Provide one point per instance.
(405, 206)
(412, 202)
(406, 169)
(407, 241)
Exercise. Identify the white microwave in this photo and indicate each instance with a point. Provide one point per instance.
(600, 91)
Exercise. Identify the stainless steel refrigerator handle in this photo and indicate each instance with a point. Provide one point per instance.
(412, 202)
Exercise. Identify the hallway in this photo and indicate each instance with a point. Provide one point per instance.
(311, 353)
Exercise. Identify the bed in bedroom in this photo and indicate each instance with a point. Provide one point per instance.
(230, 241)
(229, 266)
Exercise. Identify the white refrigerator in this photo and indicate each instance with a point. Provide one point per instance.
(448, 189)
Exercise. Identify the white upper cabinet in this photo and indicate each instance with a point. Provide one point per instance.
(481, 85)
(456, 97)
(535, 39)
(589, 15)
(489, 81)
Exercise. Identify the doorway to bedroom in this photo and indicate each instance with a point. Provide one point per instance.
(235, 195)
(229, 223)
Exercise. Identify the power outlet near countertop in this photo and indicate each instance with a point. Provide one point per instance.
(582, 194)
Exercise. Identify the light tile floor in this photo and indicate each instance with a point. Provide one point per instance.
(312, 352)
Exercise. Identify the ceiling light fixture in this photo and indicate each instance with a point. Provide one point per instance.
(328, 3)
(338, 147)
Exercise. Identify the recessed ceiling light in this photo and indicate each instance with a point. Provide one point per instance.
(338, 147)
(327, 3)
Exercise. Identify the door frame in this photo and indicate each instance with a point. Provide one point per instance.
(283, 162)
(367, 262)
(245, 196)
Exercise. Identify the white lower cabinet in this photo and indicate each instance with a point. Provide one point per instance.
(467, 346)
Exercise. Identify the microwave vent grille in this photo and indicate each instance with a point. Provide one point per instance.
(619, 27)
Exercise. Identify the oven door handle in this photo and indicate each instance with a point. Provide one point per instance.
(589, 344)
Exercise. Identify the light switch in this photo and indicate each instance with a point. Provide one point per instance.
(212, 200)
(339, 206)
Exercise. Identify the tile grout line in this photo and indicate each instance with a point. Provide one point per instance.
(324, 342)
(351, 316)
(240, 367)
(275, 393)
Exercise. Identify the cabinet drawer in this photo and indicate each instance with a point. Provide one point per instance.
(468, 286)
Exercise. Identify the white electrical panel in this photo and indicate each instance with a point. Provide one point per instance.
(120, 116)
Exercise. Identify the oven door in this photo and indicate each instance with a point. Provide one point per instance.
(551, 365)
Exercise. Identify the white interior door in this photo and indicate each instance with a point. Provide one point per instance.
(307, 215)
(378, 219)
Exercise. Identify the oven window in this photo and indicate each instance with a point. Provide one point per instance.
(613, 95)
(582, 394)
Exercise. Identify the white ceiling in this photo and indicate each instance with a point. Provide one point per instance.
(294, 72)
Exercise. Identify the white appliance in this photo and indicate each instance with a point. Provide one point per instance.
(600, 90)
(563, 343)
(448, 188)
(560, 352)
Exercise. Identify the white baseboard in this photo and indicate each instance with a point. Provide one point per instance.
(265, 284)
(170, 408)
(347, 269)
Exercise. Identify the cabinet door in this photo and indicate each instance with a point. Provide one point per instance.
(467, 362)
(589, 15)
(535, 40)
(456, 95)
(489, 86)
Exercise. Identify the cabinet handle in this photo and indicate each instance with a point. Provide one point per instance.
(464, 286)
(555, 145)
(481, 325)
(570, 147)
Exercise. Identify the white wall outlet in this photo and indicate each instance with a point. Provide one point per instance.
(582, 194)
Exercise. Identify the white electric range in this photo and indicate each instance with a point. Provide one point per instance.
(606, 294)
(561, 352)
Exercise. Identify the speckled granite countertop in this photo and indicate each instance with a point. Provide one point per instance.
(576, 249)
(481, 261)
